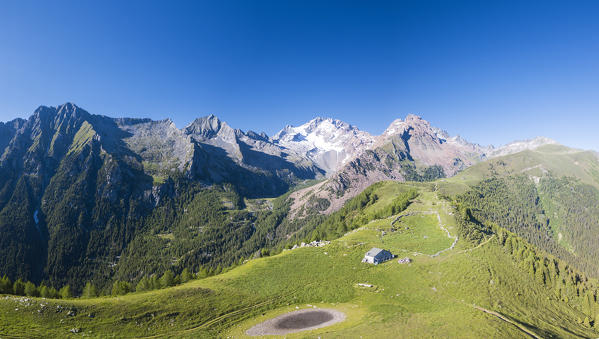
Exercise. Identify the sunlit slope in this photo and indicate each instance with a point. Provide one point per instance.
(442, 293)
(555, 191)
(554, 160)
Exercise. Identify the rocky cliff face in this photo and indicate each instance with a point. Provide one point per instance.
(251, 151)
(159, 145)
(429, 146)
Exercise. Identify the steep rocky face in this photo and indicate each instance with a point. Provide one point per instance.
(210, 151)
(329, 143)
(65, 187)
(7, 132)
(429, 146)
(160, 144)
(227, 154)
(210, 130)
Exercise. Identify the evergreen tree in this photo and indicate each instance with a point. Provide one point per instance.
(89, 291)
(186, 276)
(315, 236)
(120, 288)
(19, 287)
(45, 292)
(341, 229)
(6, 285)
(202, 273)
(31, 290)
(154, 282)
(167, 279)
(143, 285)
(53, 293)
(65, 292)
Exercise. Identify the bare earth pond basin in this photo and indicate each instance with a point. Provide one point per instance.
(296, 321)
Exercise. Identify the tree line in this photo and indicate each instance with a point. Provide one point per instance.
(119, 287)
(28, 288)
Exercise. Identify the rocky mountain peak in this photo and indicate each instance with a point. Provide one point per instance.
(320, 122)
(43, 113)
(67, 107)
(55, 116)
(209, 127)
(330, 143)
(70, 111)
(412, 121)
(411, 118)
(415, 127)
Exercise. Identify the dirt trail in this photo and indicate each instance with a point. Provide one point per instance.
(506, 319)
(455, 239)
(479, 245)
(441, 226)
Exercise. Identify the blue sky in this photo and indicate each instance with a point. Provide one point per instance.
(489, 71)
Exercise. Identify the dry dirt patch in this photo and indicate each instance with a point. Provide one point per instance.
(297, 321)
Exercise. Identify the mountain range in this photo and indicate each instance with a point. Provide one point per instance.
(500, 237)
(78, 190)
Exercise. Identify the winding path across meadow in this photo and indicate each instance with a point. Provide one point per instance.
(441, 226)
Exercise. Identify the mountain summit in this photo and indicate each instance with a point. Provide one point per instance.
(430, 146)
(330, 143)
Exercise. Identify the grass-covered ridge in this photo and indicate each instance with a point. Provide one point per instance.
(444, 295)
(83, 137)
(554, 160)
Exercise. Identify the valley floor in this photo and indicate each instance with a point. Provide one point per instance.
(449, 289)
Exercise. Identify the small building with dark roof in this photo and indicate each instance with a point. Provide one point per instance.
(376, 256)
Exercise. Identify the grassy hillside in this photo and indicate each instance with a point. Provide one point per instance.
(555, 160)
(549, 196)
(451, 289)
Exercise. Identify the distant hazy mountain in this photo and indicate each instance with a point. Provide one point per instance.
(519, 146)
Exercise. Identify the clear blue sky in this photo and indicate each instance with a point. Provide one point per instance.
(489, 71)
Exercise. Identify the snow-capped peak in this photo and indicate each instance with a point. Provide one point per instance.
(330, 143)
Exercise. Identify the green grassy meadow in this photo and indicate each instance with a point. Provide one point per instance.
(429, 297)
